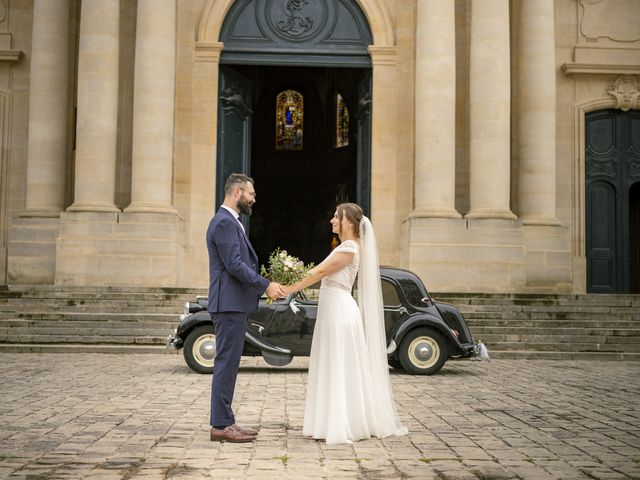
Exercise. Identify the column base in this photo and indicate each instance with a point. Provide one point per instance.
(141, 207)
(31, 249)
(435, 213)
(491, 214)
(39, 213)
(125, 249)
(468, 255)
(549, 262)
(93, 207)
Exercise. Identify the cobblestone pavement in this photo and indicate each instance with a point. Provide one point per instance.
(102, 416)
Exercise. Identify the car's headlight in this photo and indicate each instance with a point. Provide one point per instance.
(186, 309)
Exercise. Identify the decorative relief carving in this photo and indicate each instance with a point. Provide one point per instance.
(297, 19)
(294, 24)
(616, 20)
(233, 100)
(625, 90)
(607, 169)
(634, 168)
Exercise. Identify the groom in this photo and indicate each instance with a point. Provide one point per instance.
(234, 290)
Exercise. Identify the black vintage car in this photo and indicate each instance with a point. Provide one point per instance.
(421, 333)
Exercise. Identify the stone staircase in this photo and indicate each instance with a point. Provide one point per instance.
(89, 319)
(115, 319)
(564, 326)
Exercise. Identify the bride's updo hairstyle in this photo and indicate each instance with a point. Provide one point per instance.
(354, 214)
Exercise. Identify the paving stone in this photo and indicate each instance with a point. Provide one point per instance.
(145, 416)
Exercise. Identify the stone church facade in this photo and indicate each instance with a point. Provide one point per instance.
(495, 143)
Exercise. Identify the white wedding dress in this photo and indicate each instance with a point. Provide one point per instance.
(341, 394)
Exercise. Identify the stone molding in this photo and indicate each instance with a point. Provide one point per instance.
(602, 69)
(208, 51)
(625, 90)
(383, 56)
(11, 56)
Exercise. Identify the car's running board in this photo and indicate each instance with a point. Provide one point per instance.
(273, 355)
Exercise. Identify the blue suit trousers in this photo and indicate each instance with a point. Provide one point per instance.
(230, 329)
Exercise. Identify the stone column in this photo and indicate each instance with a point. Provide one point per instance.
(435, 111)
(153, 107)
(97, 122)
(490, 110)
(48, 96)
(537, 117)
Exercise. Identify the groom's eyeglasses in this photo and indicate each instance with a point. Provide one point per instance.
(252, 194)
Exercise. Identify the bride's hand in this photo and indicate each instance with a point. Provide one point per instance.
(288, 290)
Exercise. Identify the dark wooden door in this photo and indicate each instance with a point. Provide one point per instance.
(634, 238)
(234, 128)
(364, 144)
(612, 166)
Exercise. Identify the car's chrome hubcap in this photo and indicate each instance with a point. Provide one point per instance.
(424, 352)
(204, 350)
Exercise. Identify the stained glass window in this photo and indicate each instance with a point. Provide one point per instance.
(342, 122)
(289, 120)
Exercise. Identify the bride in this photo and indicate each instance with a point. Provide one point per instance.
(349, 391)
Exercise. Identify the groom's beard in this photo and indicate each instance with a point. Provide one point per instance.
(244, 206)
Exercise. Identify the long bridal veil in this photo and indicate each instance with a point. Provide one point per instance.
(385, 419)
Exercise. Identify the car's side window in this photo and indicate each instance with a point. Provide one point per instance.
(390, 296)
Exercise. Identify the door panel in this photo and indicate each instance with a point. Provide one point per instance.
(234, 128)
(364, 144)
(601, 248)
(612, 166)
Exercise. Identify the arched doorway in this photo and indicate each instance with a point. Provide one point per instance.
(612, 172)
(319, 50)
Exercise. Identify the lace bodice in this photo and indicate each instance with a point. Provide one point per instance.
(344, 278)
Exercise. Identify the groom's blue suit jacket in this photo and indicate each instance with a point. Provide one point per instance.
(234, 282)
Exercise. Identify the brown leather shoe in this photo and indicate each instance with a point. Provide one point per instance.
(229, 435)
(245, 431)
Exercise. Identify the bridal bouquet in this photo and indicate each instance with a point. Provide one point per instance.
(284, 268)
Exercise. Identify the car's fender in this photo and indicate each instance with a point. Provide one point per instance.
(191, 321)
(424, 319)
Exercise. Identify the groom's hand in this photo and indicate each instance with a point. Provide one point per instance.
(275, 291)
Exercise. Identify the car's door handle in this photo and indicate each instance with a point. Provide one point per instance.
(260, 327)
(293, 305)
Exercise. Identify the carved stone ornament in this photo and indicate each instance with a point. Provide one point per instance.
(233, 100)
(625, 90)
(297, 20)
(294, 24)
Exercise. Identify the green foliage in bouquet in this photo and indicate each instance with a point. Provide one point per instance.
(284, 268)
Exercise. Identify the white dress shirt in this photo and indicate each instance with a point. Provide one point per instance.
(235, 214)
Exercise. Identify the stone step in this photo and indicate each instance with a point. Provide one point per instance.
(558, 332)
(83, 348)
(116, 322)
(552, 346)
(542, 311)
(84, 339)
(555, 355)
(132, 316)
(608, 323)
(98, 330)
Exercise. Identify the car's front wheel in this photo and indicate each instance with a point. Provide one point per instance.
(423, 351)
(200, 349)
